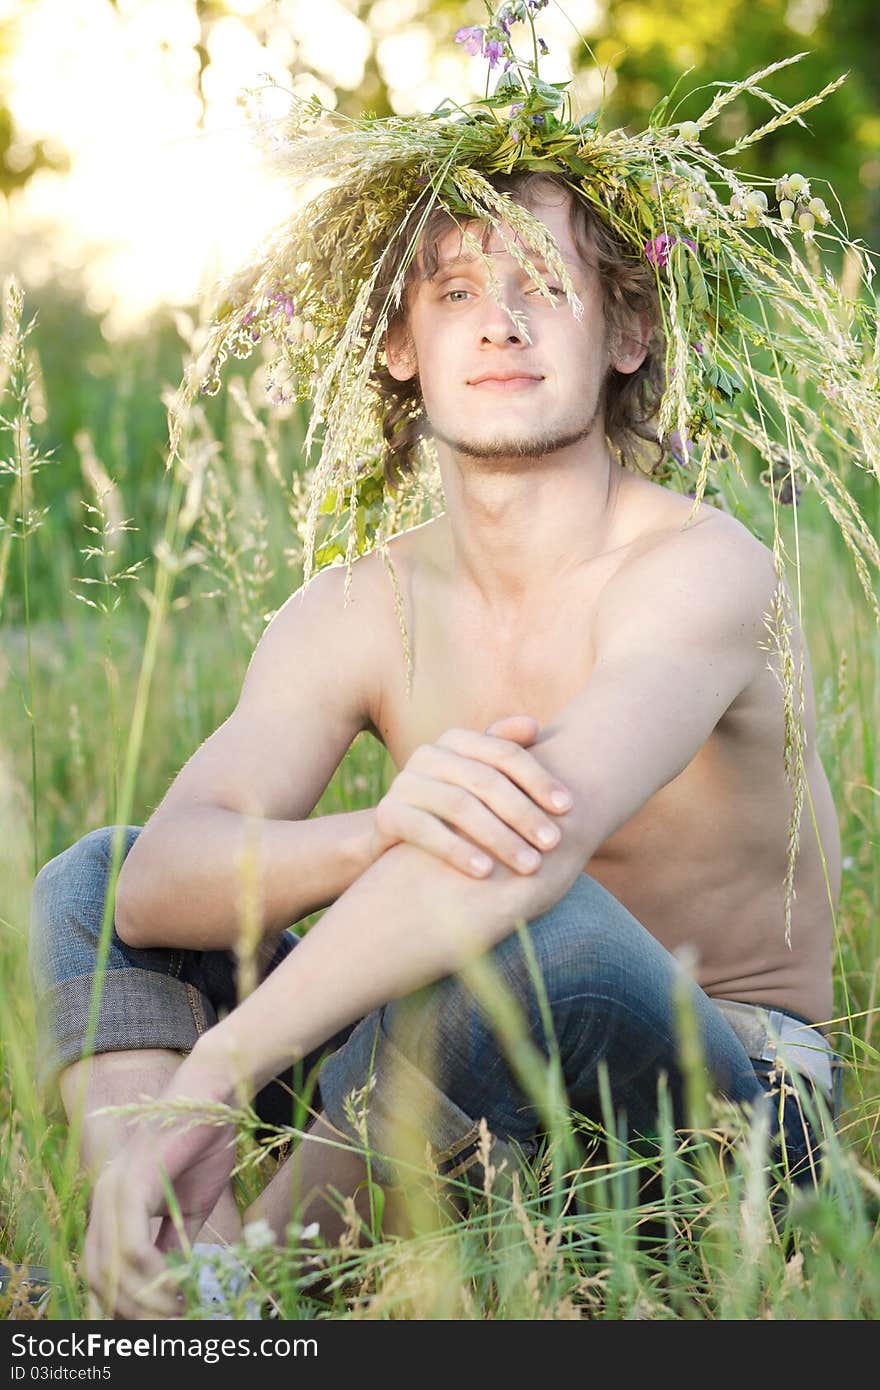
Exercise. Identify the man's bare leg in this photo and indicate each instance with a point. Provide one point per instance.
(118, 1078)
(302, 1186)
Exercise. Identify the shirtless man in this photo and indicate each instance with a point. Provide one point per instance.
(569, 633)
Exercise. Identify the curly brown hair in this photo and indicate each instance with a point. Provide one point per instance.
(631, 400)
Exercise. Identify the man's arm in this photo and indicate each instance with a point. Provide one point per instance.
(248, 789)
(677, 641)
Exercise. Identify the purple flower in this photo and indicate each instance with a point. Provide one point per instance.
(283, 303)
(493, 49)
(514, 135)
(657, 251)
(516, 108)
(505, 19)
(249, 316)
(537, 120)
(698, 347)
(676, 447)
(543, 47)
(472, 39)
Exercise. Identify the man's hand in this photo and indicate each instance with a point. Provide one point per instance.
(124, 1269)
(470, 796)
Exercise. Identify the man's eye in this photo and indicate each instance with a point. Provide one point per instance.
(449, 292)
(554, 289)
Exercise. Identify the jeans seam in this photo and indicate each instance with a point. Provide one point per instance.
(198, 1012)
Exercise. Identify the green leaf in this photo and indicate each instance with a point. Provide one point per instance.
(326, 554)
(543, 96)
(577, 165)
(508, 83)
(588, 122)
(689, 277)
(659, 111)
(539, 162)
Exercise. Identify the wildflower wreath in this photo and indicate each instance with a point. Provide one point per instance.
(763, 348)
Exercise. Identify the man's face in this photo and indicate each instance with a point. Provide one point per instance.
(488, 393)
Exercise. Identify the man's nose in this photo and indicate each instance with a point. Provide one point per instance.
(500, 326)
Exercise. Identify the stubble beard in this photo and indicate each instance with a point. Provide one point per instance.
(522, 446)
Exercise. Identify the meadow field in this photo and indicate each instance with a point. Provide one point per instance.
(130, 601)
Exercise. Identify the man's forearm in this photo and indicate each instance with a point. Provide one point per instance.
(193, 878)
(409, 920)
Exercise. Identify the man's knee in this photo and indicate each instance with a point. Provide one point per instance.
(72, 885)
(581, 965)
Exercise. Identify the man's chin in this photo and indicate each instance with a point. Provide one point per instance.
(523, 444)
(512, 448)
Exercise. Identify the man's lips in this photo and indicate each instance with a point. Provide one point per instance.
(505, 382)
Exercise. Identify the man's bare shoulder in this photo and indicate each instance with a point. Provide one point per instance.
(686, 566)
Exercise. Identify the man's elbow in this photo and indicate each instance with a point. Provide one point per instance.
(135, 917)
(127, 920)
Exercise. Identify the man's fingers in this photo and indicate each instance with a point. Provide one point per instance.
(478, 801)
(516, 763)
(136, 1292)
(423, 829)
(125, 1272)
(131, 1293)
(522, 728)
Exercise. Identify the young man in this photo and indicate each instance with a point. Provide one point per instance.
(571, 635)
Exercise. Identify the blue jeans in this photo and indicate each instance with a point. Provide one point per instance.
(430, 1065)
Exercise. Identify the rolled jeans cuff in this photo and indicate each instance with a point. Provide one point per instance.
(171, 1014)
(373, 1094)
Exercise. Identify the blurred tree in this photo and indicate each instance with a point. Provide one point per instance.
(20, 158)
(648, 45)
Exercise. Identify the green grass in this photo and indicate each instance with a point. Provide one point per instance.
(101, 705)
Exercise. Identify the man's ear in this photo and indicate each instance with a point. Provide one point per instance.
(400, 352)
(630, 347)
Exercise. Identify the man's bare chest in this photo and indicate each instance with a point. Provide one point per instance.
(469, 671)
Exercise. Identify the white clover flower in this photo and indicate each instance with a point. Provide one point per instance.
(258, 1235)
(294, 1232)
